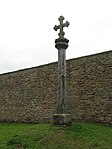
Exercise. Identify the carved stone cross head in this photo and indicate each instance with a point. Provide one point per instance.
(61, 26)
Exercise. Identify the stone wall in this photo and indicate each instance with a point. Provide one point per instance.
(31, 95)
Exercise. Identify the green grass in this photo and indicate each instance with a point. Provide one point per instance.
(44, 136)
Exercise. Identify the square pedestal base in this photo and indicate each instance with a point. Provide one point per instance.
(62, 119)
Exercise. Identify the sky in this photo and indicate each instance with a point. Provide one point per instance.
(27, 36)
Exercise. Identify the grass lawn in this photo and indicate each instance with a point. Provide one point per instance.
(44, 136)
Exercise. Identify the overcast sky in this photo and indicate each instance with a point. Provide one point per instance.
(27, 36)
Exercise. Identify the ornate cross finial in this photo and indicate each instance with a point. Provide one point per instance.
(61, 26)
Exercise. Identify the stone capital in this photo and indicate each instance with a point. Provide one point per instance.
(61, 43)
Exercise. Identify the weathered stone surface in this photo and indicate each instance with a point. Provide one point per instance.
(62, 119)
(31, 95)
(61, 46)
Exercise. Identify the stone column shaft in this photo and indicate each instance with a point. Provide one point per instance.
(61, 81)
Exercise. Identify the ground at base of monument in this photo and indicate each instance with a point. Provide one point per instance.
(81, 135)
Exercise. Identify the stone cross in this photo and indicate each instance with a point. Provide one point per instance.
(61, 26)
(61, 117)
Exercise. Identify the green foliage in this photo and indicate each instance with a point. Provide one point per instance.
(18, 141)
(44, 136)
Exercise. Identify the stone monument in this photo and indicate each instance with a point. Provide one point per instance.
(61, 117)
